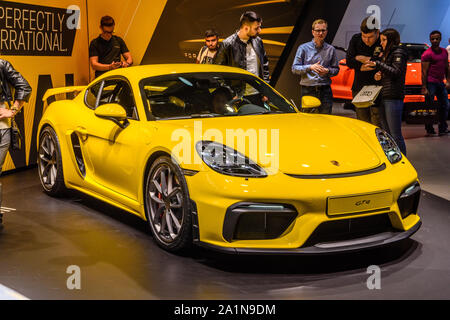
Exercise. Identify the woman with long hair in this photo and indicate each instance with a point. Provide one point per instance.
(392, 72)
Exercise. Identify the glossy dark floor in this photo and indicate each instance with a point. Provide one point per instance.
(119, 260)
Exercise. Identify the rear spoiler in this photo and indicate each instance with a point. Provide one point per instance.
(53, 92)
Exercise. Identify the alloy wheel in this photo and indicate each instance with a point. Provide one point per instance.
(165, 199)
(48, 161)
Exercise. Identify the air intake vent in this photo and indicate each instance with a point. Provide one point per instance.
(78, 154)
(349, 229)
(408, 201)
(257, 221)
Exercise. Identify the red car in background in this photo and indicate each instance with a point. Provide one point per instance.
(415, 110)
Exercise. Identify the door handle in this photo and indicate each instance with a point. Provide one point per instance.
(82, 132)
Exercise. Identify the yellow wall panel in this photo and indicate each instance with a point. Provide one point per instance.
(136, 21)
(55, 66)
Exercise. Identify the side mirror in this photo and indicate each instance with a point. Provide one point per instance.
(114, 112)
(309, 102)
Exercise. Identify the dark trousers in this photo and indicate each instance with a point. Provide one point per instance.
(374, 114)
(438, 90)
(323, 93)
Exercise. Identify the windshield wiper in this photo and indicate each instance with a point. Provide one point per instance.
(204, 115)
(261, 112)
(192, 116)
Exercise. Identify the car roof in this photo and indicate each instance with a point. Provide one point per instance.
(141, 72)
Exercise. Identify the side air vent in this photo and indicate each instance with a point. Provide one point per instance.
(78, 154)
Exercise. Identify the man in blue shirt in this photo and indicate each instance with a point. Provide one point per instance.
(316, 62)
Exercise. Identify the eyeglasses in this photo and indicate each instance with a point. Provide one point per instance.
(321, 30)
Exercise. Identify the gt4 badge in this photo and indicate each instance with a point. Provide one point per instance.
(360, 203)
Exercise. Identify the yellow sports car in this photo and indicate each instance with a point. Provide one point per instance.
(214, 156)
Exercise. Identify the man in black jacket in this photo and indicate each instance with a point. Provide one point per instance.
(244, 49)
(22, 90)
(392, 73)
(363, 47)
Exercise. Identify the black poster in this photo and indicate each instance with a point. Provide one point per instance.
(30, 30)
(179, 34)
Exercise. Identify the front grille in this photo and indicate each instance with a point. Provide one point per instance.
(253, 221)
(348, 229)
(413, 90)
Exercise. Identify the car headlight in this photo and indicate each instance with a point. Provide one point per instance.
(389, 146)
(228, 161)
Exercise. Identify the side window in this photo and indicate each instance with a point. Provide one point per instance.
(91, 96)
(120, 92)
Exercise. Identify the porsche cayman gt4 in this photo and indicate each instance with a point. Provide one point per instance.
(214, 156)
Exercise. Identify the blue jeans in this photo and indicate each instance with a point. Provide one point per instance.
(394, 112)
(323, 93)
(438, 90)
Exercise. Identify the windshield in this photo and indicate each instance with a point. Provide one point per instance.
(414, 52)
(194, 95)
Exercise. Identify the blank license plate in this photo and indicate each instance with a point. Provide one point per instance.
(359, 203)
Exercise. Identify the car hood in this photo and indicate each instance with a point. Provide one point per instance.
(308, 144)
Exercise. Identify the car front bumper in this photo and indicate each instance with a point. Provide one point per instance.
(215, 195)
(355, 245)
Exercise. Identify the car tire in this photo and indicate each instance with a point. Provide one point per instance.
(50, 163)
(167, 206)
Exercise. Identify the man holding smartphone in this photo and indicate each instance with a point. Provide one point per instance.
(105, 52)
(364, 47)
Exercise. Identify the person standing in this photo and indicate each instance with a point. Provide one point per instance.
(316, 62)
(106, 51)
(434, 70)
(244, 49)
(22, 90)
(9, 77)
(209, 50)
(363, 47)
(392, 73)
